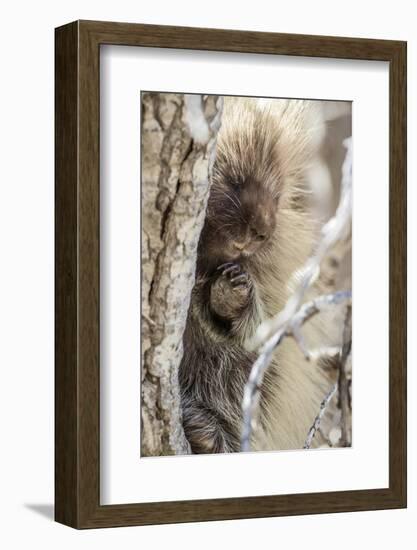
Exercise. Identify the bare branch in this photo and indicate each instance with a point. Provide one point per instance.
(309, 309)
(317, 420)
(331, 232)
(344, 400)
(292, 328)
(288, 321)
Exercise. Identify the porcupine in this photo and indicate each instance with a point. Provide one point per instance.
(256, 235)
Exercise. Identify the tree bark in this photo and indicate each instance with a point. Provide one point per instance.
(178, 144)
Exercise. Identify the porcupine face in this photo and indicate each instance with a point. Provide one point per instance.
(241, 219)
(246, 183)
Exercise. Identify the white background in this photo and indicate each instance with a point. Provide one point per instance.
(26, 295)
(125, 478)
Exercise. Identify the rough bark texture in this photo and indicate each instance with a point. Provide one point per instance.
(178, 139)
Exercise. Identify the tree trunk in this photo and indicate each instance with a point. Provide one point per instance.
(178, 143)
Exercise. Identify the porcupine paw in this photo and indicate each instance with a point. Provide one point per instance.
(231, 291)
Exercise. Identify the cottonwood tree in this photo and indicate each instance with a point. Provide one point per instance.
(178, 142)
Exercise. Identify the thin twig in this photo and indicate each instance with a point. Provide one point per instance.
(344, 401)
(317, 420)
(309, 309)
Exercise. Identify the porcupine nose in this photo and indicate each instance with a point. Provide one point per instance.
(239, 246)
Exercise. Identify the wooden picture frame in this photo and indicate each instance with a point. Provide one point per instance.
(77, 376)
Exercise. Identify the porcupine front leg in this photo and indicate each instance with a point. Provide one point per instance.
(210, 426)
(234, 300)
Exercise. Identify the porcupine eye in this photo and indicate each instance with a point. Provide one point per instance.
(261, 237)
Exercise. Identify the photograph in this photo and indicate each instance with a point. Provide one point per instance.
(246, 274)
